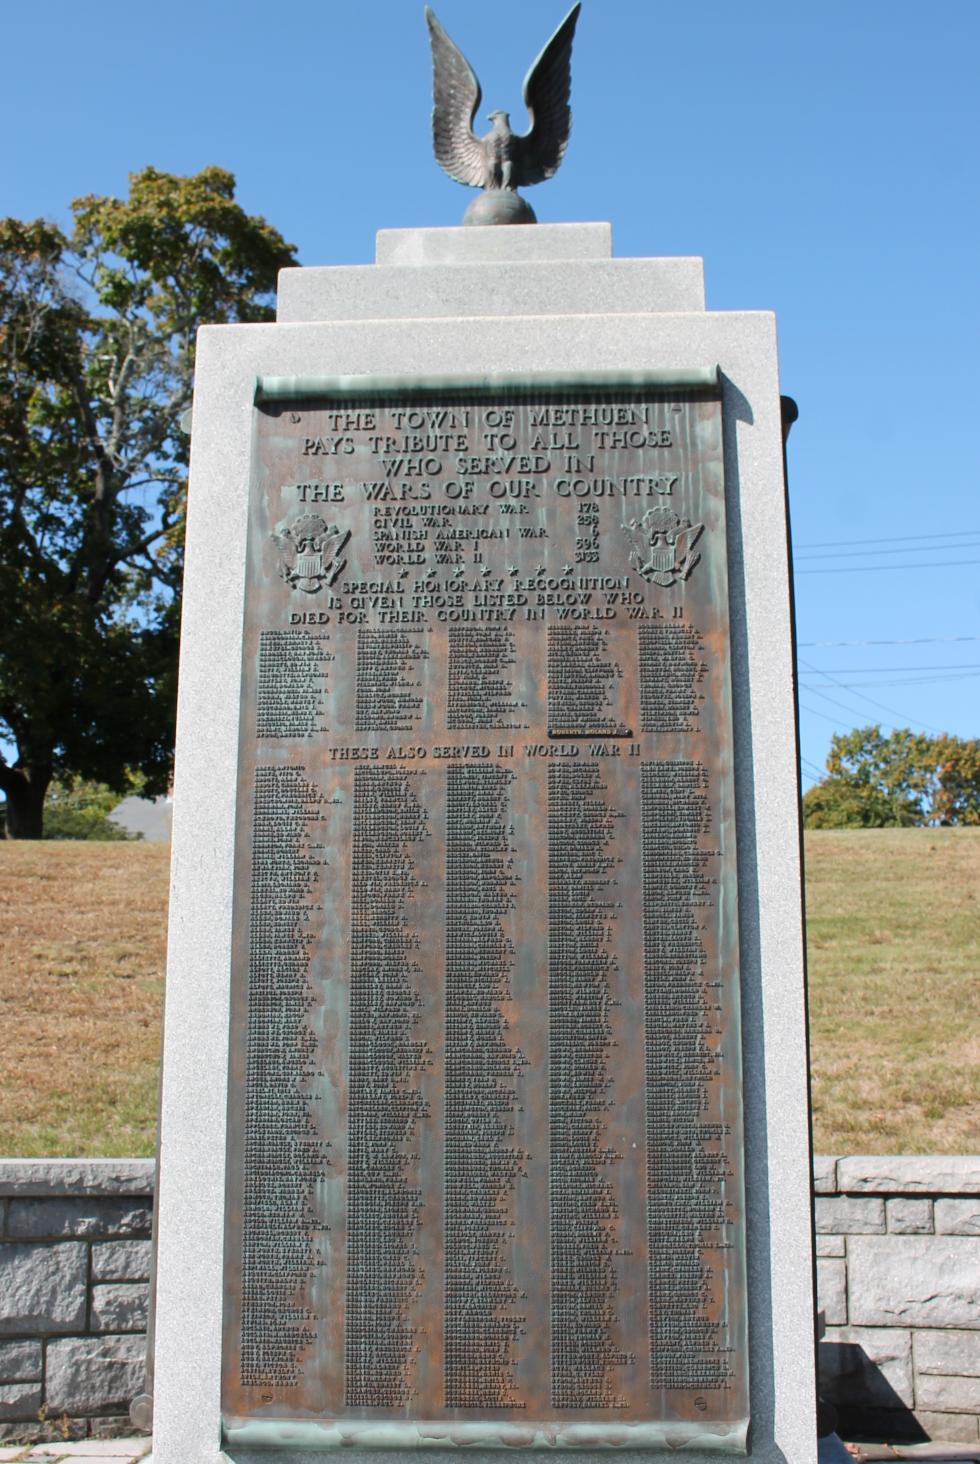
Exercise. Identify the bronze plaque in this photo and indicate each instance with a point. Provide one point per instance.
(485, 1132)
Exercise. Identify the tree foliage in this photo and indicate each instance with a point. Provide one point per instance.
(904, 780)
(956, 799)
(97, 335)
(81, 810)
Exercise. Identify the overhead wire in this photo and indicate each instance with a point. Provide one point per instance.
(874, 568)
(922, 640)
(815, 691)
(893, 539)
(885, 670)
(815, 712)
(868, 553)
(870, 700)
(869, 549)
(907, 680)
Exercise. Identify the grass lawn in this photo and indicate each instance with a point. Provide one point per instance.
(893, 935)
(82, 957)
(894, 945)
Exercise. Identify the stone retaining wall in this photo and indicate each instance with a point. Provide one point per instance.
(898, 1274)
(898, 1280)
(74, 1270)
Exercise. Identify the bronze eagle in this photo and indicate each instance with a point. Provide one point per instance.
(502, 161)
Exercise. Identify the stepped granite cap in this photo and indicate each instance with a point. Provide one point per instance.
(500, 272)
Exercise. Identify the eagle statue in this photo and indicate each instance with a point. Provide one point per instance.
(502, 161)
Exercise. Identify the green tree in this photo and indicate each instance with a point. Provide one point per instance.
(97, 335)
(81, 811)
(835, 803)
(902, 780)
(957, 796)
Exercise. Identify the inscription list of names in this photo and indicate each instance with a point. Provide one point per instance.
(485, 1133)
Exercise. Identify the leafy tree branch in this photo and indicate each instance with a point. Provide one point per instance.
(97, 339)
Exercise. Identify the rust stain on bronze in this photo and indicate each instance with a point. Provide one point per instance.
(485, 1143)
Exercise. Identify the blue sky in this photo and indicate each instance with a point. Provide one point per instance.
(823, 160)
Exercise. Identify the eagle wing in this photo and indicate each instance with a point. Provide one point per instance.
(537, 154)
(684, 555)
(637, 547)
(287, 551)
(283, 542)
(456, 95)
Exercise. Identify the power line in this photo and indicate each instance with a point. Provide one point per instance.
(890, 670)
(815, 691)
(871, 568)
(910, 680)
(926, 640)
(870, 700)
(916, 679)
(894, 539)
(813, 712)
(869, 553)
(852, 711)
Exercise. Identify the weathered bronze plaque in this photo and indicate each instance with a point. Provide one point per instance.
(485, 1143)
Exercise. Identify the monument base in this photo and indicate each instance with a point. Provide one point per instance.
(494, 306)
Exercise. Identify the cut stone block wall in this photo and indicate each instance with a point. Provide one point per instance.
(74, 1280)
(898, 1281)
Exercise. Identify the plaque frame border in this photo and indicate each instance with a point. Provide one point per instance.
(391, 1435)
(294, 388)
(277, 1436)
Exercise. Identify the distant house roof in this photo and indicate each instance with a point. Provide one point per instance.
(151, 817)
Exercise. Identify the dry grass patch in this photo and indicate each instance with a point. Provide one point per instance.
(82, 952)
(893, 935)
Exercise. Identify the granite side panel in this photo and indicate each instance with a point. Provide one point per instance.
(502, 244)
(611, 287)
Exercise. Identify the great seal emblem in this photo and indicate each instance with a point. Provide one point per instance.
(663, 545)
(310, 552)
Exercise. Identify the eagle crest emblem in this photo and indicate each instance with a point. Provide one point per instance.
(663, 545)
(310, 552)
(501, 161)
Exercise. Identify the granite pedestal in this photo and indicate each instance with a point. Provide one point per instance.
(493, 304)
